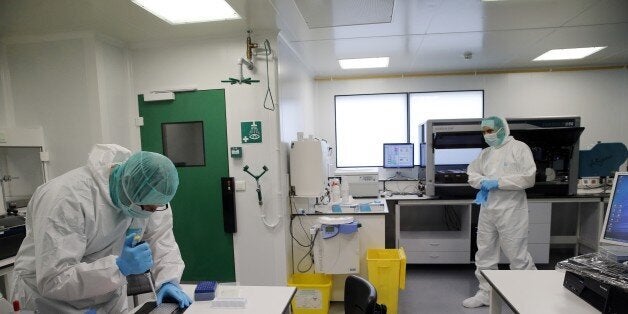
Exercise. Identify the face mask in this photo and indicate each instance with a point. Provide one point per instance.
(491, 139)
(136, 211)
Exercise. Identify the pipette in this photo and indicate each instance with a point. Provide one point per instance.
(137, 241)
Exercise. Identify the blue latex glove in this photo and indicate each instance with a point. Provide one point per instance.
(489, 185)
(134, 259)
(481, 197)
(172, 291)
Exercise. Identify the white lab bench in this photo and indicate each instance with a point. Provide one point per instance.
(372, 236)
(415, 221)
(533, 292)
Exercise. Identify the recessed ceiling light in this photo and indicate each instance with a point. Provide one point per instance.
(568, 54)
(364, 63)
(189, 11)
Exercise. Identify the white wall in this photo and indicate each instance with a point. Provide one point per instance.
(260, 251)
(6, 113)
(50, 88)
(600, 97)
(296, 96)
(117, 103)
(76, 86)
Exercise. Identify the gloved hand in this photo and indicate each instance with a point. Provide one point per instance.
(170, 290)
(481, 197)
(489, 185)
(134, 259)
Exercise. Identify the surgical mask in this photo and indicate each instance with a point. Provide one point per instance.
(136, 211)
(491, 139)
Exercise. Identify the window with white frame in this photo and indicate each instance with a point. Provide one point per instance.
(365, 122)
(442, 105)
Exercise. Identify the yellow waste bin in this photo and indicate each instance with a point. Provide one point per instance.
(387, 272)
(313, 293)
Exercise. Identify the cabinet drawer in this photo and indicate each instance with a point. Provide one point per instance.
(539, 253)
(435, 245)
(540, 213)
(438, 257)
(539, 233)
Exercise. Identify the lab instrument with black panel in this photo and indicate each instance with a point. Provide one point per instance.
(448, 146)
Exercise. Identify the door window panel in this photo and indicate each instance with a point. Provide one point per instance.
(183, 143)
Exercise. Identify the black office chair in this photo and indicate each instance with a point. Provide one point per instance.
(361, 297)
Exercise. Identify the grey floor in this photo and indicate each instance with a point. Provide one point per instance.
(436, 289)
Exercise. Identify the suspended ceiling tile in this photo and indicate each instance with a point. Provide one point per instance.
(612, 35)
(603, 12)
(331, 13)
(490, 50)
(409, 18)
(471, 16)
(323, 55)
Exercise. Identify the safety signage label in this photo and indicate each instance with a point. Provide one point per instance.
(251, 132)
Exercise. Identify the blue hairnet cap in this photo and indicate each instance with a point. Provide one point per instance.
(497, 124)
(149, 178)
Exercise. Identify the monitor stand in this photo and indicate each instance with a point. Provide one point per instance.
(399, 176)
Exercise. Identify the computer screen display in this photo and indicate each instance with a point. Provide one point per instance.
(615, 229)
(398, 155)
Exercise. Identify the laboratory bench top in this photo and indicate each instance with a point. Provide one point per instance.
(7, 262)
(377, 206)
(534, 199)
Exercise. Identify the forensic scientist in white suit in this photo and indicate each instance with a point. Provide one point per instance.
(502, 172)
(81, 232)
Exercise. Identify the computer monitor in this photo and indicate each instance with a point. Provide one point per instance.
(615, 230)
(398, 155)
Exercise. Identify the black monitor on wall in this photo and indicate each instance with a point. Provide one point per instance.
(398, 155)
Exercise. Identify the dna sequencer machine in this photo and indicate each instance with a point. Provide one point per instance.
(448, 146)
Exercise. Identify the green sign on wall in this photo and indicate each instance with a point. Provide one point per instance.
(251, 132)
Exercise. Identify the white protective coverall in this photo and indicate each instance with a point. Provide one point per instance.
(67, 262)
(503, 220)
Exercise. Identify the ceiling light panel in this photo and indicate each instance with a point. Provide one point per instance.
(568, 54)
(189, 11)
(364, 63)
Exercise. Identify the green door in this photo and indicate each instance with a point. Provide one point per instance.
(192, 131)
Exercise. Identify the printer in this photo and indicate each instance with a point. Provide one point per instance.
(12, 232)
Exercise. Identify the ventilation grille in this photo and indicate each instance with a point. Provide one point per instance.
(330, 13)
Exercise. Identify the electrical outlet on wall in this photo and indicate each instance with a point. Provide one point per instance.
(240, 185)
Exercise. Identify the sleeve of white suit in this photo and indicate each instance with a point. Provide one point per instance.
(526, 170)
(166, 255)
(474, 172)
(60, 242)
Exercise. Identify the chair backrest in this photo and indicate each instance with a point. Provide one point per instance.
(361, 297)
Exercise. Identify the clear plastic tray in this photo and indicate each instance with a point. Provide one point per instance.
(595, 266)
